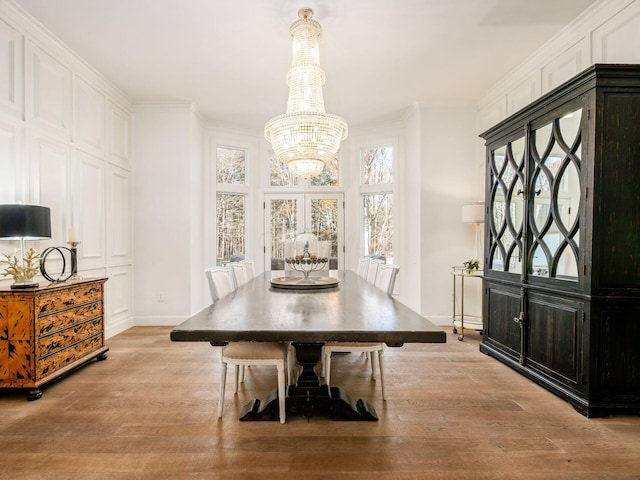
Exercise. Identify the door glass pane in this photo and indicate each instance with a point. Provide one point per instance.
(230, 227)
(324, 225)
(284, 224)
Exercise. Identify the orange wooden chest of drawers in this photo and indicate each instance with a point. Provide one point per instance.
(48, 331)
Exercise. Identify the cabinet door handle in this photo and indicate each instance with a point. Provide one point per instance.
(519, 319)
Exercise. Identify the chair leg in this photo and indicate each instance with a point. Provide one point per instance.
(236, 377)
(327, 367)
(381, 362)
(372, 357)
(223, 379)
(282, 392)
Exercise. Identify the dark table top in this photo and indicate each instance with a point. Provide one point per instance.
(353, 311)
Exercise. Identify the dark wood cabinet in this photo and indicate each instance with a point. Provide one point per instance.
(562, 241)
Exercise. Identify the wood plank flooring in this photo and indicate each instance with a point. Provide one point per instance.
(149, 412)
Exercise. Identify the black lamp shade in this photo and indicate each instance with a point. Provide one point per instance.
(28, 222)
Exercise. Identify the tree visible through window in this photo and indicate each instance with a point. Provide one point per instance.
(230, 171)
(377, 201)
(230, 221)
(230, 165)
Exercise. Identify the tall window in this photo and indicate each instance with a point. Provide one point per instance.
(230, 204)
(377, 201)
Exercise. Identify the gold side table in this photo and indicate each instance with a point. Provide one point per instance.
(460, 319)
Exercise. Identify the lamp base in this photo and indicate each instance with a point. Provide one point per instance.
(17, 286)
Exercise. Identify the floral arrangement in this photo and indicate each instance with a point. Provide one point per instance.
(471, 265)
(22, 272)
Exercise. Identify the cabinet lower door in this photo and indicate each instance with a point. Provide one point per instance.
(502, 304)
(554, 338)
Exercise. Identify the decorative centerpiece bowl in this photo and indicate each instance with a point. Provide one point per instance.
(303, 256)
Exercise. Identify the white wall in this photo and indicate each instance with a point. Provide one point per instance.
(65, 144)
(448, 180)
(168, 213)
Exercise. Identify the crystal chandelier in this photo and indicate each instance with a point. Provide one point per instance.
(306, 137)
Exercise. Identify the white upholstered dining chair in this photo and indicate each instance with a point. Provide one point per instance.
(243, 353)
(240, 273)
(363, 267)
(385, 279)
(372, 270)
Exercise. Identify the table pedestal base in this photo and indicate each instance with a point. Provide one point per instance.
(308, 397)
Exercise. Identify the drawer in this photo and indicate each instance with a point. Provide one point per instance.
(66, 318)
(60, 300)
(51, 364)
(62, 339)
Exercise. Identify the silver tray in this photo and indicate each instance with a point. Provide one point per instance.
(301, 283)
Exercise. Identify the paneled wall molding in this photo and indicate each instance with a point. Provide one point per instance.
(119, 136)
(609, 41)
(11, 71)
(119, 240)
(11, 148)
(48, 97)
(20, 20)
(582, 27)
(65, 142)
(90, 219)
(524, 93)
(567, 64)
(89, 121)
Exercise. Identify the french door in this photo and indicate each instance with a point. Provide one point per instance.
(289, 214)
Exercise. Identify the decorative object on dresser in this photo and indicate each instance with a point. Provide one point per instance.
(46, 332)
(562, 263)
(24, 222)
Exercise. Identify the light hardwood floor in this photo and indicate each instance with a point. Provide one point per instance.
(149, 412)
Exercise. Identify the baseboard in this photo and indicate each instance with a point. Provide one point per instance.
(159, 321)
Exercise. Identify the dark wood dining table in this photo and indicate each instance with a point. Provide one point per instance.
(353, 310)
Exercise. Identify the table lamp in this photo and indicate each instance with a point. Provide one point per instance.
(24, 222)
(474, 214)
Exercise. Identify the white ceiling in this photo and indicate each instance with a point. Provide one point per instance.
(230, 57)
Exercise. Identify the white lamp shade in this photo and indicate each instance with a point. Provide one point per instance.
(473, 213)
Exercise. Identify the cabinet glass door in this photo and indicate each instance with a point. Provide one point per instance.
(556, 151)
(505, 222)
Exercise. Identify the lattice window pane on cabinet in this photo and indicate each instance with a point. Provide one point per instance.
(507, 207)
(556, 150)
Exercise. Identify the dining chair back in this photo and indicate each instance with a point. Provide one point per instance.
(239, 273)
(372, 271)
(248, 271)
(222, 281)
(212, 288)
(386, 277)
(363, 266)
